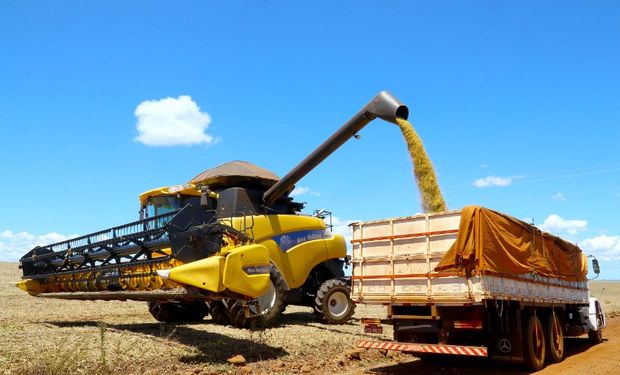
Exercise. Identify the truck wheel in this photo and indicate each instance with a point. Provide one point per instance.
(555, 338)
(269, 308)
(534, 344)
(219, 313)
(178, 312)
(333, 302)
(596, 337)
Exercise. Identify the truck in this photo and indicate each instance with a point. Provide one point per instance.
(473, 282)
(232, 242)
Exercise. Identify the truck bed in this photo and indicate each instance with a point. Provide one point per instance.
(394, 261)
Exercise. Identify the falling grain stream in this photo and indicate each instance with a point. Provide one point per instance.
(430, 194)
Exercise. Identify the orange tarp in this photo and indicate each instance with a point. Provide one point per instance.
(489, 241)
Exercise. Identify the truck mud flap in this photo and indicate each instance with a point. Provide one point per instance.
(473, 351)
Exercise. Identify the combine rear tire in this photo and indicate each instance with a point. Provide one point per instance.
(333, 302)
(270, 305)
(219, 313)
(178, 312)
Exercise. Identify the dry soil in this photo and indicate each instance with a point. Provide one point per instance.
(46, 336)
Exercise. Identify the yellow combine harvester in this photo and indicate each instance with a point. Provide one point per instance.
(231, 242)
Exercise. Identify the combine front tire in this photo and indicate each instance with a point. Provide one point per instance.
(178, 312)
(333, 302)
(269, 309)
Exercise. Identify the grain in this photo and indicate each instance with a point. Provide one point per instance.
(430, 194)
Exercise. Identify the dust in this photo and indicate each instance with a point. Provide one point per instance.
(430, 194)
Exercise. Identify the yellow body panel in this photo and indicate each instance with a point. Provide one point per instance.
(295, 262)
(239, 279)
(218, 273)
(205, 273)
(336, 247)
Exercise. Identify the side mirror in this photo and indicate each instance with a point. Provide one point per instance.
(595, 266)
(208, 198)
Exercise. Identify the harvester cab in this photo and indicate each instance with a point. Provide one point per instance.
(231, 242)
(167, 199)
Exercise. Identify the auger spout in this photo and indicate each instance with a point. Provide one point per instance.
(384, 106)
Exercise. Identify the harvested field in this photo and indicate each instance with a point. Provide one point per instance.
(46, 336)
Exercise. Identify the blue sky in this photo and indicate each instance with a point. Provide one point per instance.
(517, 107)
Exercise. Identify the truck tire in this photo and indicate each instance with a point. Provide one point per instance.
(596, 337)
(333, 302)
(219, 313)
(555, 338)
(178, 312)
(533, 344)
(271, 304)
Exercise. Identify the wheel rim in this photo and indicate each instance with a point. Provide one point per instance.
(557, 336)
(266, 301)
(538, 341)
(338, 303)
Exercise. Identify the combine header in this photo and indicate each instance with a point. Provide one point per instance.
(127, 257)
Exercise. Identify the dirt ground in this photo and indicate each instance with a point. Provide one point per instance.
(46, 336)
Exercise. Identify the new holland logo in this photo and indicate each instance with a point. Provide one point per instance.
(292, 239)
(254, 270)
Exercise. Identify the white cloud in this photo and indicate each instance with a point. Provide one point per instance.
(606, 248)
(558, 197)
(301, 190)
(556, 224)
(14, 245)
(342, 227)
(490, 181)
(172, 122)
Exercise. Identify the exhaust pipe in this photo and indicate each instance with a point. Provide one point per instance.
(384, 106)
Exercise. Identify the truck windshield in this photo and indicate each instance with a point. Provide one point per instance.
(162, 204)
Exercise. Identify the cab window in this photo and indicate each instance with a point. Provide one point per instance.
(161, 205)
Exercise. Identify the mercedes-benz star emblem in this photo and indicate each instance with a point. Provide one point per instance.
(504, 345)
